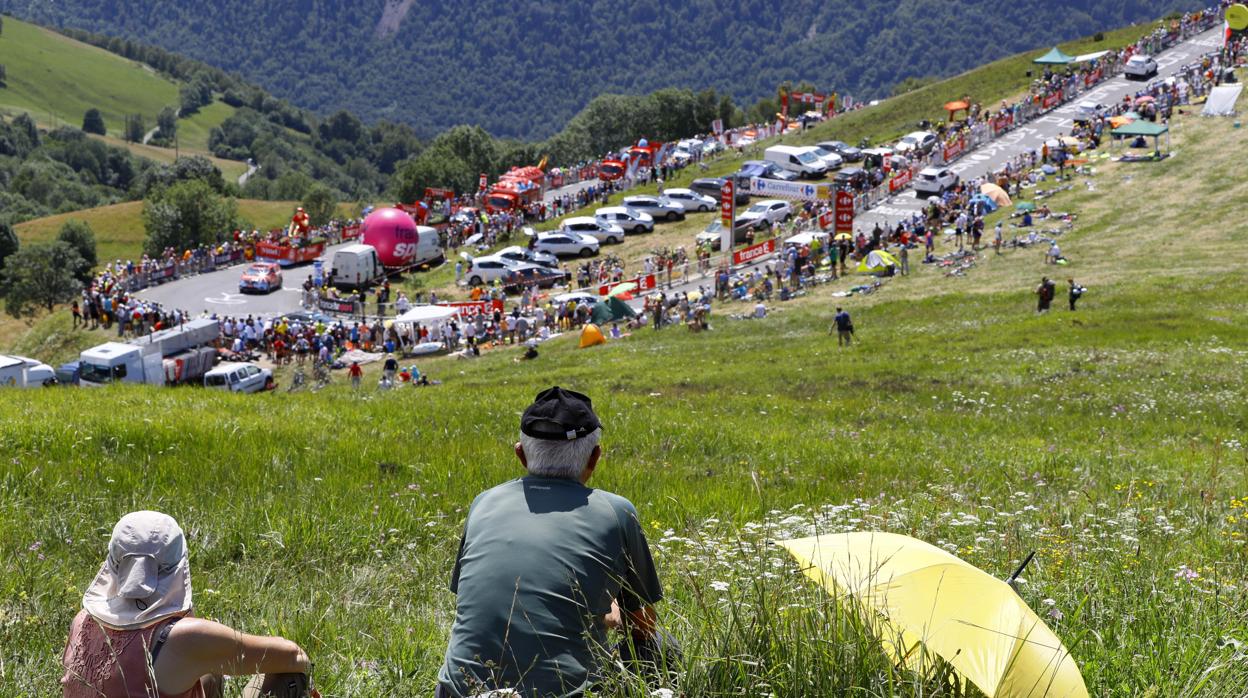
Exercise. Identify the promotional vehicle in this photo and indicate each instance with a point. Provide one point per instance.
(261, 277)
(354, 267)
(602, 232)
(177, 355)
(691, 200)
(239, 378)
(567, 244)
(516, 190)
(660, 207)
(934, 181)
(287, 253)
(399, 241)
(631, 220)
(612, 169)
(798, 160)
(23, 372)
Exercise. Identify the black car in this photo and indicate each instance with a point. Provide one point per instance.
(850, 178)
(529, 276)
(714, 186)
(847, 152)
(770, 170)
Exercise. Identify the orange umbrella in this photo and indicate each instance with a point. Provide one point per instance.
(959, 105)
(1117, 121)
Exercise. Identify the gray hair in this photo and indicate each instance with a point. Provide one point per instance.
(561, 459)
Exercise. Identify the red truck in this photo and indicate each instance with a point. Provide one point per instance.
(516, 190)
(640, 155)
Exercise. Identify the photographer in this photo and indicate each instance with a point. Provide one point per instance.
(547, 565)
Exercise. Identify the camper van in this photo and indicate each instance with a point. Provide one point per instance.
(355, 267)
(803, 161)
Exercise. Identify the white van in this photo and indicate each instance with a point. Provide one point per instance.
(803, 161)
(239, 378)
(355, 267)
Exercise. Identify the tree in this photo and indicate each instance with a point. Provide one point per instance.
(186, 215)
(167, 120)
(78, 235)
(135, 129)
(40, 276)
(8, 242)
(93, 122)
(320, 205)
(4, 73)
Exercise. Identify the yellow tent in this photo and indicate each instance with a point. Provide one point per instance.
(877, 261)
(918, 597)
(591, 336)
(996, 193)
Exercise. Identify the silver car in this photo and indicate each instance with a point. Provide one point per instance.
(660, 207)
(599, 230)
(691, 200)
(631, 220)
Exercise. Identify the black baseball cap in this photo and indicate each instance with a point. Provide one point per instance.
(559, 415)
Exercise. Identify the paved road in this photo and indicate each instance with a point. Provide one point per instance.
(218, 292)
(1031, 136)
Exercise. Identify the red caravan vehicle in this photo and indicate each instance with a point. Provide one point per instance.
(516, 189)
(612, 169)
(641, 155)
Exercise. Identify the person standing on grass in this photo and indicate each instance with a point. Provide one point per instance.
(546, 566)
(1076, 292)
(903, 255)
(1044, 295)
(356, 374)
(844, 327)
(136, 634)
(996, 238)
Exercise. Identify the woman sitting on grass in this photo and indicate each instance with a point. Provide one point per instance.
(136, 637)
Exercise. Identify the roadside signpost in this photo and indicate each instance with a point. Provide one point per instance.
(728, 213)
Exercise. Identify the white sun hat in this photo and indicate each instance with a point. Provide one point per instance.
(146, 576)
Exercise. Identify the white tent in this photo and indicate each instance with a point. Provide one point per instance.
(1089, 57)
(425, 313)
(1222, 100)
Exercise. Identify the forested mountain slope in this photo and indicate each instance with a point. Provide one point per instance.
(523, 69)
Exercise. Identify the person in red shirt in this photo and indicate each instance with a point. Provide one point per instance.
(356, 374)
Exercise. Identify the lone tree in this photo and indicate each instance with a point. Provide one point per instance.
(40, 276)
(93, 122)
(78, 235)
(320, 204)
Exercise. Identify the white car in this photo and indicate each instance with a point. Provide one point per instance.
(599, 230)
(631, 220)
(486, 268)
(831, 159)
(239, 378)
(567, 244)
(934, 181)
(578, 296)
(517, 253)
(690, 200)
(712, 146)
(770, 210)
(660, 207)
(918, 141)
(1140, 67)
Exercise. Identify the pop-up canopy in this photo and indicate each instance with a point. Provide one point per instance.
(1054, 57)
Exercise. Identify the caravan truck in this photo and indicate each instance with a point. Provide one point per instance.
(21, 372)
(181, 354)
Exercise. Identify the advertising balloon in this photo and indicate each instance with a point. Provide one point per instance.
(393, 234)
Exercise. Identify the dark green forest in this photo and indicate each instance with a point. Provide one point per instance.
(523, 70)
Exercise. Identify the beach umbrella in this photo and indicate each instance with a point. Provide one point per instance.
(843, 236)
(995, 193)
(923, 602)
(1145, 99)
(1116, 121)
(622, 289)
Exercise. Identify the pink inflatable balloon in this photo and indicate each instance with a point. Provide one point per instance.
(393, 234)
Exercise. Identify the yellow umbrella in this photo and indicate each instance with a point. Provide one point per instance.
(843, 236)
(917, 594)
(996, 193)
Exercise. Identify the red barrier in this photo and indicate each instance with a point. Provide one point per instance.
(899, 180)
(954, 149)
(644, 283)
(467, 309)
(351, 232)
(753, 252)
(1002, 122)
(1052, 100)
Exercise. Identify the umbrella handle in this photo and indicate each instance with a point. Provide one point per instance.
(1019, 571)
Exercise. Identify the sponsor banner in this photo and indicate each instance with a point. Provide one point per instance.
(1093, 77)
(777, 189)
(955, 149)
(482, 182)
(345, 306)
(899, 180)
(288, 254)
(351, 232)
(844, 212)
(467, 309)
(1052, 100)
(222, 260)
(1002, 122)
(717, 127)
(159, 275)
(727, 203)
(646, 282)
(754, 252)
(826, 219)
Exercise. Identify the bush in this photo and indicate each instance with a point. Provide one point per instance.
(93, 122)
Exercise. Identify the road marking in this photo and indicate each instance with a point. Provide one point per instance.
(227, 299)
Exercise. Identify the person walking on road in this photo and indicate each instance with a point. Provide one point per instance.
(844, 327)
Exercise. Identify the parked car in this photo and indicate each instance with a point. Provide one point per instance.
(601, 231)
(517, 253)
(529, 275)
(1140, 67)
(262, 277)
(847, 152)
(831, 159)
(770, 211)
(712, 146)
(798, 160)
(850, 178)
(714, 186)
(713, 234)
(691, 200)
(934, 181)
(768, 170)
(239, 378)
(876, 157)
(304, 317)
(630, 219)
(567, 244)
(486, 268)
(660, 207)
(918, 141)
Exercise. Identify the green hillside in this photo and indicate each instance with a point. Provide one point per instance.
(1110, 441)
(57, 79)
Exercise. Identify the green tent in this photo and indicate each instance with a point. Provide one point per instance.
(1054, 57)
(611, 310)
(1147, 129)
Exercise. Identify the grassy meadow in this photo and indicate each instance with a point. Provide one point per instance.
(1110, 440)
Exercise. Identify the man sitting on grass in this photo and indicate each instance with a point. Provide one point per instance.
(546, 565)
(135, 635)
